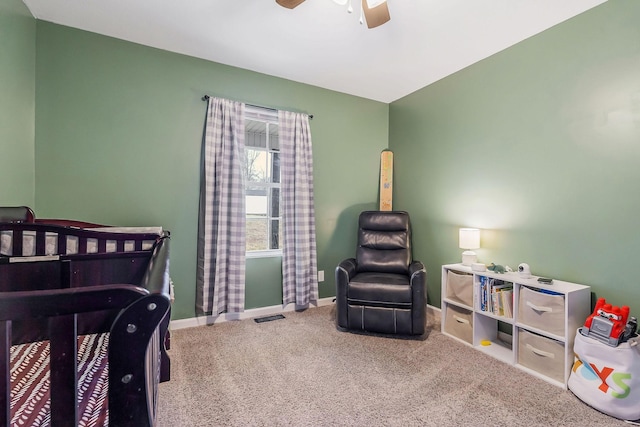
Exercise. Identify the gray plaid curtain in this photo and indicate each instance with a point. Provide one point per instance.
(299, 263)
(221, 222)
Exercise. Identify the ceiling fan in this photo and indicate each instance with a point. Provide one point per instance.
(376, 12)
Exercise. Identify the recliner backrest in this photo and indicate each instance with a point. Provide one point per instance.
(384, 242)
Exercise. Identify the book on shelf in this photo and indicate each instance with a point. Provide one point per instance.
(497, 291)
(495, 296)
(495, 303)
(507, 302)
(483, 293)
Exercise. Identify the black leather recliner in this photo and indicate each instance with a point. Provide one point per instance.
(382, 289)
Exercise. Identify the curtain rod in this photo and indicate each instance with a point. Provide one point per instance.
(206, 98)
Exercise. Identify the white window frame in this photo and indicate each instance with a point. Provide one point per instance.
(270, 117)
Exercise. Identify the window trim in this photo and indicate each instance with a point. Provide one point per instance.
(264, 253)
(268, 116)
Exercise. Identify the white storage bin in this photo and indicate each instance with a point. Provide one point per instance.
(459, 323)
(541, 310)
(460, 287)
(542, 354)
(620, 400)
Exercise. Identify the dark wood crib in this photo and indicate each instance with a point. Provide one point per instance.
(84, 316)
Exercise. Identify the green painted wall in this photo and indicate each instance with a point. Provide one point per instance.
(538, 145)
(17, 103)
(118, 138)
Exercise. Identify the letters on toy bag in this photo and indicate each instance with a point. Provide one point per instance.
(607, 377)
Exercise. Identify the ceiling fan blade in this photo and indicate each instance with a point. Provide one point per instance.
(377, 15)
(289, 4)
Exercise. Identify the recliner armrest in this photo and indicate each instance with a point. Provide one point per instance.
(418, 281)
(416, 267)
(349, 266)
(344, 272)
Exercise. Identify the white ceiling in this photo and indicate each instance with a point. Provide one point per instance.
(319, 43)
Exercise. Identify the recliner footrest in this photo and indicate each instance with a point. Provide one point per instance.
(384, 304)
(380, 319)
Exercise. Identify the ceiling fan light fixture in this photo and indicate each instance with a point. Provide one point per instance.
(373, 3)
(340, 2)
(289, 4)
(375, 16)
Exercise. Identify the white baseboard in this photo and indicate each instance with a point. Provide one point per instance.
(254, 312)
(248, 314)
(433, 311)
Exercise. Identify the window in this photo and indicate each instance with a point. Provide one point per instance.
(262, 150)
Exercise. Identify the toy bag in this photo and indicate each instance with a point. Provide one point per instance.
(607, 378)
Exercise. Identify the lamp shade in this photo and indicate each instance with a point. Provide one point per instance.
(469, 238)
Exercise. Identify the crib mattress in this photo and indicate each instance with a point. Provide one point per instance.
(30, 385)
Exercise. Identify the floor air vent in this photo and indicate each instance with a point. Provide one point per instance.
(268, 318)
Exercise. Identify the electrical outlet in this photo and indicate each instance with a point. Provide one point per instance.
(321, 276)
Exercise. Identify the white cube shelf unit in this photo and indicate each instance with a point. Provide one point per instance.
(534, 332)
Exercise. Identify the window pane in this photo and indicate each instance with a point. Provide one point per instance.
(275, 167)
(274, 137)
(255, 134)
(276, 238)
(256, 165)
(275, 202)
(256, 234)
(257, 202)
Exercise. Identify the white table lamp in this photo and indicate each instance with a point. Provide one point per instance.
(469, 239)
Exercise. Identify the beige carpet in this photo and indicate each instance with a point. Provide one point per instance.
(301, 371)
